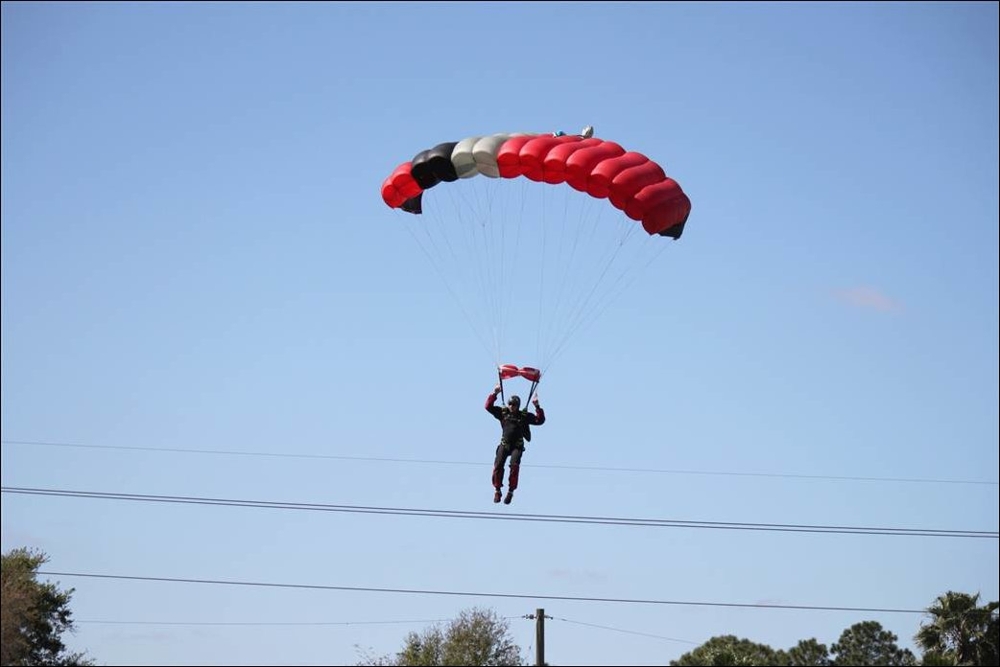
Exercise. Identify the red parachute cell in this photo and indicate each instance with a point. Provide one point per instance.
(600, 177)
(581, 163)
(400, 186)
(509, 157)
(554, 168)
(534, 152)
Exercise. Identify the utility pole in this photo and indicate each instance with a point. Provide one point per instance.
(539, 636)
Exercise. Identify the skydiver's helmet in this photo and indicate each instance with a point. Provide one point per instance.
(514, 403)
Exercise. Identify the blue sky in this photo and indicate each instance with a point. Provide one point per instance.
(204, 295)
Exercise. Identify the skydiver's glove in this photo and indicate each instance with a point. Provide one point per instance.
(496, 390)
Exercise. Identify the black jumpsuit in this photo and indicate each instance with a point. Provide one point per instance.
(515, 430)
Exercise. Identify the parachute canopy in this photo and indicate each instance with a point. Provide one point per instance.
(527, 263)
(603, 169)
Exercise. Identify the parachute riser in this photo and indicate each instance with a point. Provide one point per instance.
(531, 393)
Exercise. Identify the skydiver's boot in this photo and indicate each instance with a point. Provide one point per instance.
(496, 496)
(509, 497)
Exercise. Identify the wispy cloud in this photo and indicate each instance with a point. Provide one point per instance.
(868, 297)
(585, 575)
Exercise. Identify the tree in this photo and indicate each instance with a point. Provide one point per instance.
(867, 643)
(729, 650)
(937, 660)
(807, 653)
(476, 637)
(34, 614)
(960, 632)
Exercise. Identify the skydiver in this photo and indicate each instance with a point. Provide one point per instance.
(515, 429)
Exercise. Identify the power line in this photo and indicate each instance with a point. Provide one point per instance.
(415, 591)
(256, 623)
(270, 623)
(545, 518)
(663, 471)
(628, 632)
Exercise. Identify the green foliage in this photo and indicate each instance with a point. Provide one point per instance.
(960, 632)
(34, 614)
(728, 650)
(868, 643)
(476, 637)
(933, 659)
(807, 653)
